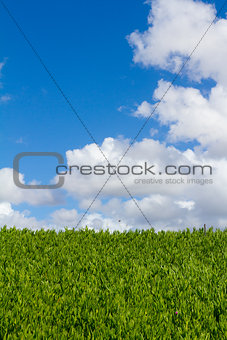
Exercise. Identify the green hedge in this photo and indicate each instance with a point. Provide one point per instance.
(134, 285)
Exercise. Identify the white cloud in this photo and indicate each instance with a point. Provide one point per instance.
(65, 217)
(186, 204)
(9, 192)
(11, 218)
(121, 108)
(143, 110)
(71, 218)
(190, 116)
(153, 132)
(175, 28)
(148, 150)
(156, 200)
(160, 210)
(166, 206)
(5, 208)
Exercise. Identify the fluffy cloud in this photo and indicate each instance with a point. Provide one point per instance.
(143, 110)
(71, 218)
(153, 132)
(9, 192)
(185, 204)
(118, 214)
(175, 28)
(191, 116)
(59, 220)
(148, 150)
(166, 206)
(11, 218)
(65, 217)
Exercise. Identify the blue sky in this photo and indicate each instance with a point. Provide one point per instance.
(84, 45)
(86, 49)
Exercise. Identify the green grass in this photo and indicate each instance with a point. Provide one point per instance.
(87, 285)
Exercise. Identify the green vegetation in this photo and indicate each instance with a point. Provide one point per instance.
(135, 285)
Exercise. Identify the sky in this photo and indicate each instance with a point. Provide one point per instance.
(114, 61)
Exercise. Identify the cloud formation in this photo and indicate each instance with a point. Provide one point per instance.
(143, 110)
(9, 192)
(11, 218)
(175, 27)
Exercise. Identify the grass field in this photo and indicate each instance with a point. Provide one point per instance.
(135, 285)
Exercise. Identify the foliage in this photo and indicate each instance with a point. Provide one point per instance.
(131, 285)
